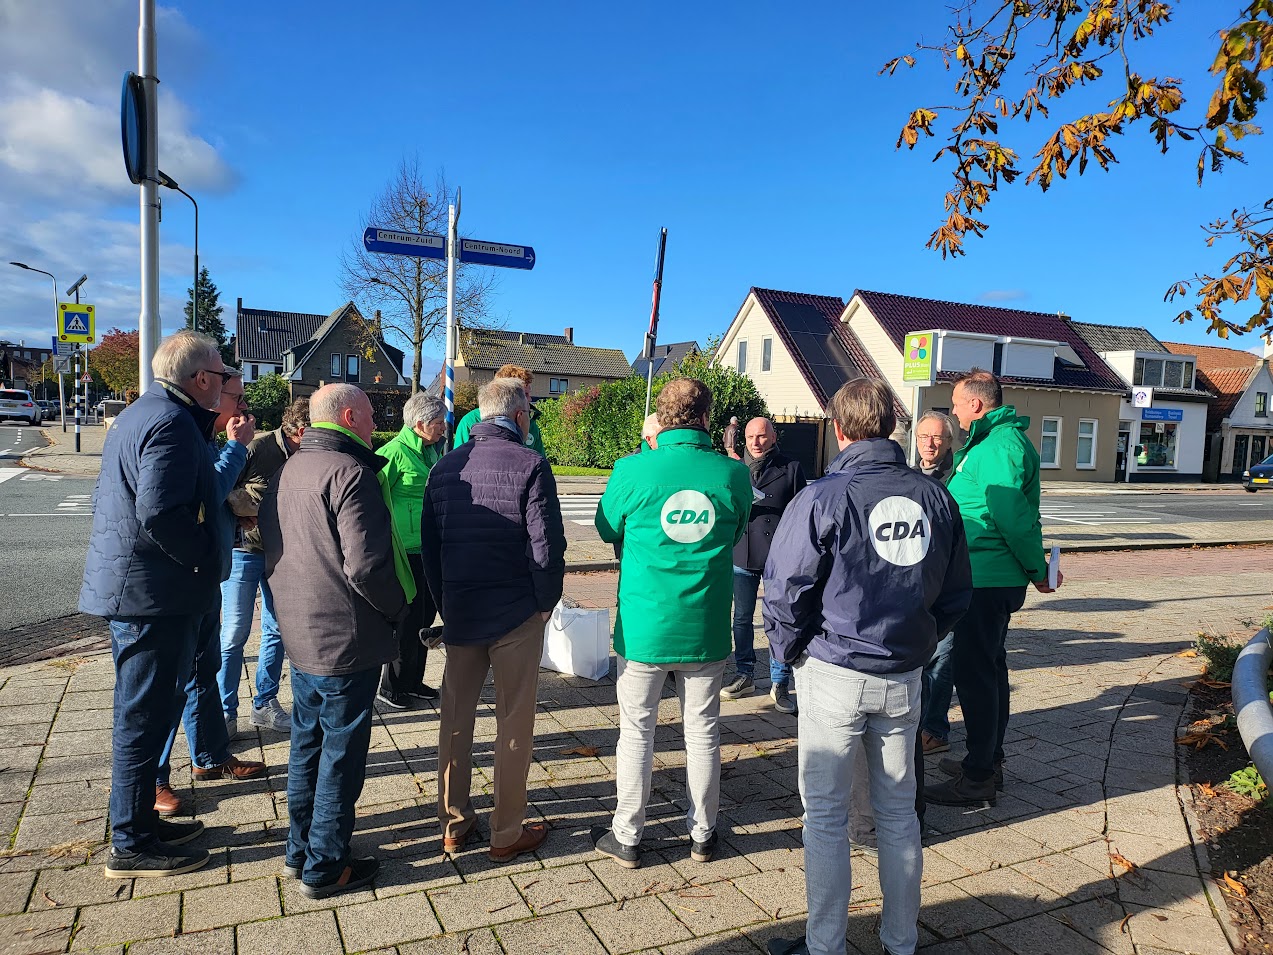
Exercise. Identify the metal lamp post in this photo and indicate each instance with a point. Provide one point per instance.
(168, 182)
(61, 394)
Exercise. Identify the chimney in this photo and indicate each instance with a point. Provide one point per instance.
(1062, 316)
(240, 303)
(521, 338)
(570, 335)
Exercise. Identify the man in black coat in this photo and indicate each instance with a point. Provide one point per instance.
(775, 480)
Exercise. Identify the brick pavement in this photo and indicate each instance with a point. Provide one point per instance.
(1098, 693)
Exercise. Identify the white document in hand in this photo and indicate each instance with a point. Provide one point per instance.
(1054, 567)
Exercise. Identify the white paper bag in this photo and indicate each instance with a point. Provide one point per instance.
(577, 642)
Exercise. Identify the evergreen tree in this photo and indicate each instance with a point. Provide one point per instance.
(210, 310)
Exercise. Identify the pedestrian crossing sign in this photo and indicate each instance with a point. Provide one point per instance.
(75, 323)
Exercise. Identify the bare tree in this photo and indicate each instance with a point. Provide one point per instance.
(408, 292)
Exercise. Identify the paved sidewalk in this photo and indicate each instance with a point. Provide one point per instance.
(1091, 775)
(61, 456)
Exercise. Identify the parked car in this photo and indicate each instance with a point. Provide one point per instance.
(19, 406)
(50, 409)
(1259, 476)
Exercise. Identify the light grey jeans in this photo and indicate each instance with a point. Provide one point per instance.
(842, 711)
(639, 687)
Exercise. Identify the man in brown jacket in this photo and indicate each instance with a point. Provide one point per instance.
(327, 534)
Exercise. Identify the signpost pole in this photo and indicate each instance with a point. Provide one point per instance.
(448, 385)
(61, 400)
(919, 370)
(148, 323)
(917, 394)
(78, 385)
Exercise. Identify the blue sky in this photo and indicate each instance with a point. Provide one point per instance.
(762, 140)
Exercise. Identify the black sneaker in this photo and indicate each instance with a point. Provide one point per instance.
(605, 842)
(159, 862)
(424, 692)
(178, 833)
(780, 693)
(741, 685)
(358, 872)
(703, 851)
(962, 791)
(955, 767)
(293, 871)
(787, 946)
(395, 701)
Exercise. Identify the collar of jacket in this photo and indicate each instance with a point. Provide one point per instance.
(868, 451)
(281, 438)
(203, 418)
(1005, 415)
(938, 470)
(411, 439)
(492, 428)
(332, 437)
(689, 435)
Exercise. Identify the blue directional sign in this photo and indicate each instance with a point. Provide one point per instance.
(1162, 414)
(477, 252)
(423, 245)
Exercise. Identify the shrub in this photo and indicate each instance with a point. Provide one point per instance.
(267, 397)
(1220, 654)
(380, 438)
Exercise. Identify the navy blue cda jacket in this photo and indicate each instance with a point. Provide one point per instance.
(155, 549)
(869, 566)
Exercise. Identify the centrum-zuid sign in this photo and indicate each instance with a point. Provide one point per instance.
(918, 367)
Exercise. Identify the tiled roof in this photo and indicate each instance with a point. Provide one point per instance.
(1225, 372)
(666, 357)
(263, 335)
(1105, 338)
(540, 354)
(824, 349)
(899, 314)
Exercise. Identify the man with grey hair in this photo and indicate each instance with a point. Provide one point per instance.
(340, 594)
(935, 441)
(494, 553)
(409, 457)
(152, 572)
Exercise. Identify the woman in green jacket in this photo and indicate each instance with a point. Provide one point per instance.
(409, 456)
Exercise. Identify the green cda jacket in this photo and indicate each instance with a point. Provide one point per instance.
(535, 442)
(677, 512)
(995, 482)
(408, 461)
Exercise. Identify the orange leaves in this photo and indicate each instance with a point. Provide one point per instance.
(920, 121)
(1199, 737)
(581, 751)
(1123, 862)
(1229, 884)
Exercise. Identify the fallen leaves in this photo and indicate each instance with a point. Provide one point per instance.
(1188, 654)
(581, 751)
(1233, 885)
(1120, 860)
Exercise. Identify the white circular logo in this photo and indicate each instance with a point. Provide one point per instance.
(688, 516)
(900, 531)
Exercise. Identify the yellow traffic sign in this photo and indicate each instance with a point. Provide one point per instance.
(75, 323)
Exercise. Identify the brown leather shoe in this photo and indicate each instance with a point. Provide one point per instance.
(232, 768)
(532, 838)
(167, 802)
(456, 844)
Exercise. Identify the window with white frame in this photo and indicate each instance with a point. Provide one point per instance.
(1050, 443)
(351, 367)
(742, 356)
(558, 386)
(1261, 404)
(256, 372)
(337, 364)
(1086, 457)
(766, 354)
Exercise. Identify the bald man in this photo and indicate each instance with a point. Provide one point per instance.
(650, 429)
(775, 480)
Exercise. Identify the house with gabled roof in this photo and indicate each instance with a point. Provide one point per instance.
(1161, 437)
(314, 350)
(1239, 426)
(559, 365)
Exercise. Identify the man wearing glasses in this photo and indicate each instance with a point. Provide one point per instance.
(153, 569)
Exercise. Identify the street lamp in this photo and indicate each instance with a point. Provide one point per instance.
(61, 395)
(168, 182)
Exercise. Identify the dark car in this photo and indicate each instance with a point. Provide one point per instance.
(1259, 476)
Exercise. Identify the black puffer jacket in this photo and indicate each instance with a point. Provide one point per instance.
(153, 552)
(491, 536)
(329, 557)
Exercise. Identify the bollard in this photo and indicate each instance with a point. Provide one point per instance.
(1251, 701)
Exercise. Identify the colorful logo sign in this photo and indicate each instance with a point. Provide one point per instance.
(917, 358)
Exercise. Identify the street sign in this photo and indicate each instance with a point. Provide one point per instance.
(477, 252)
(62, 364)
(918, 367)
(1162, 414)
(1142, 397)
(75, 323)
(86, 377)
(62, 348)
(422, 245)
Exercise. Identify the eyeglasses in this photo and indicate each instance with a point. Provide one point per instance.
(240, 398)
(225, 375)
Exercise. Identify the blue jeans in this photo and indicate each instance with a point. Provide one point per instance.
(746, 586)
(238, 598)
(331, 732)
(151, 655)
(198, 707)
(939, 681)
(842, 710)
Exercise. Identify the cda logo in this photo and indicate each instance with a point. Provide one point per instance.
(688, 516)
(900, 531)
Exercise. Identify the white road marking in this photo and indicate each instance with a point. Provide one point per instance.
(580, 508)
(7, 474)
(58, 514)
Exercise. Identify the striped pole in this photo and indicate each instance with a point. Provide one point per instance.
(449, 360)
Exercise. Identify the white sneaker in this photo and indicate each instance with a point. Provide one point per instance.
(231, 726)
(272, 716)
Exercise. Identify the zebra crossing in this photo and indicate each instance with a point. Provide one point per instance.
(580, 508)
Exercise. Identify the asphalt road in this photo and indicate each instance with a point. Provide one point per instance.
(45, 520)
(17, 440)
(1129, 508)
